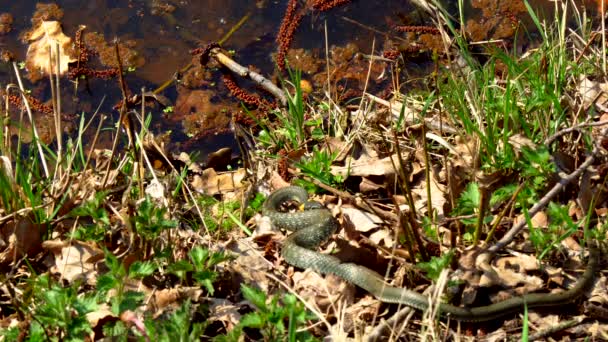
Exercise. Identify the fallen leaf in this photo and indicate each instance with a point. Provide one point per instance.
(213, 183)
(362, 221)
(20, 238)
(39, 58)
(75, 261)
(382, 237)
(323, 291)
(224, 311)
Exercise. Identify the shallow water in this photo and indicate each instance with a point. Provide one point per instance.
(162, 33)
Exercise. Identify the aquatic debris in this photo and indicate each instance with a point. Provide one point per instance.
(46, 12)
(80, 68)
(417, 29)
(129, 57)
(39, 60)
(292, 19)
(230, 66)
(241, 94)
(6, 23)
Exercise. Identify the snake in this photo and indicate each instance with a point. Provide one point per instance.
(313, 224)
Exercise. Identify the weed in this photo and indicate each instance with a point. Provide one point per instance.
(59, 312)
(93, 209)
(434, 267)
(271, 317)
(179, 326)
(318, 166)
(200, 267)
(151, 220)
(116, 279)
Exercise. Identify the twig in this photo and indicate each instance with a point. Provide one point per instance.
(564, 131)
(246, 72)
(552, 329)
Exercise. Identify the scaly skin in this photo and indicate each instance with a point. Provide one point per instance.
(315, 224)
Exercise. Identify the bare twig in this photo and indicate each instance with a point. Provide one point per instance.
(246, 72)
(565, 131)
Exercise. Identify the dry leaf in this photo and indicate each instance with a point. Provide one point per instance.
(250, 266)
(367, 166)
(156, 191)
(592, 92)
(212, 183)
(438, 197)
(75, 261)
(323, 291)
(224, 311)
(23, 238)
(382, 237)
(48, 33)
(362, 221)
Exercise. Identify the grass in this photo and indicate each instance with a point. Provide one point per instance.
(154, 234)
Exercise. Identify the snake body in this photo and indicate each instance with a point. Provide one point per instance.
(315, 224)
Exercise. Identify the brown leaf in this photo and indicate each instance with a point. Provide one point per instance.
(323, 291)
(23, 238)
(76, 260)
(48, 34)
(212, 183)
(224, 311)
(362, 221)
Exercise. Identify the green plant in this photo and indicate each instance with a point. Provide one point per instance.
(434, 266)
(179, 326)
(526, 100)
(275, 320)
(59, 313)
(151, 220)
(201, 267)
(291, 128)
(318, 166)
(95, 210)
(559, 228)
(116, 279)
(217, 213)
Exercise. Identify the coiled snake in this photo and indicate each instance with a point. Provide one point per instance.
(315, 224)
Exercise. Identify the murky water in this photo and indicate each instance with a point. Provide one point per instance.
(161, 33)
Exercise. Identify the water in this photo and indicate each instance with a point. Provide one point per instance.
(162, 32)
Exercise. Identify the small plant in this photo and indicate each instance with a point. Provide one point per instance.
(151, 220)
(275, 320)
(217, 214)
(560, 227)
(115, 279)
(318, 166)
(201, 267)
(59, 312)
(293, 124)
(177, 327)
(95, 210)
(434, 267)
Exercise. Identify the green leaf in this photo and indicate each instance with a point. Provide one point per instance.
(180, 268)
(106, 283)
(434, 267)
(255, 296)
(252, 320)
(199, 255)
(141, 269)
